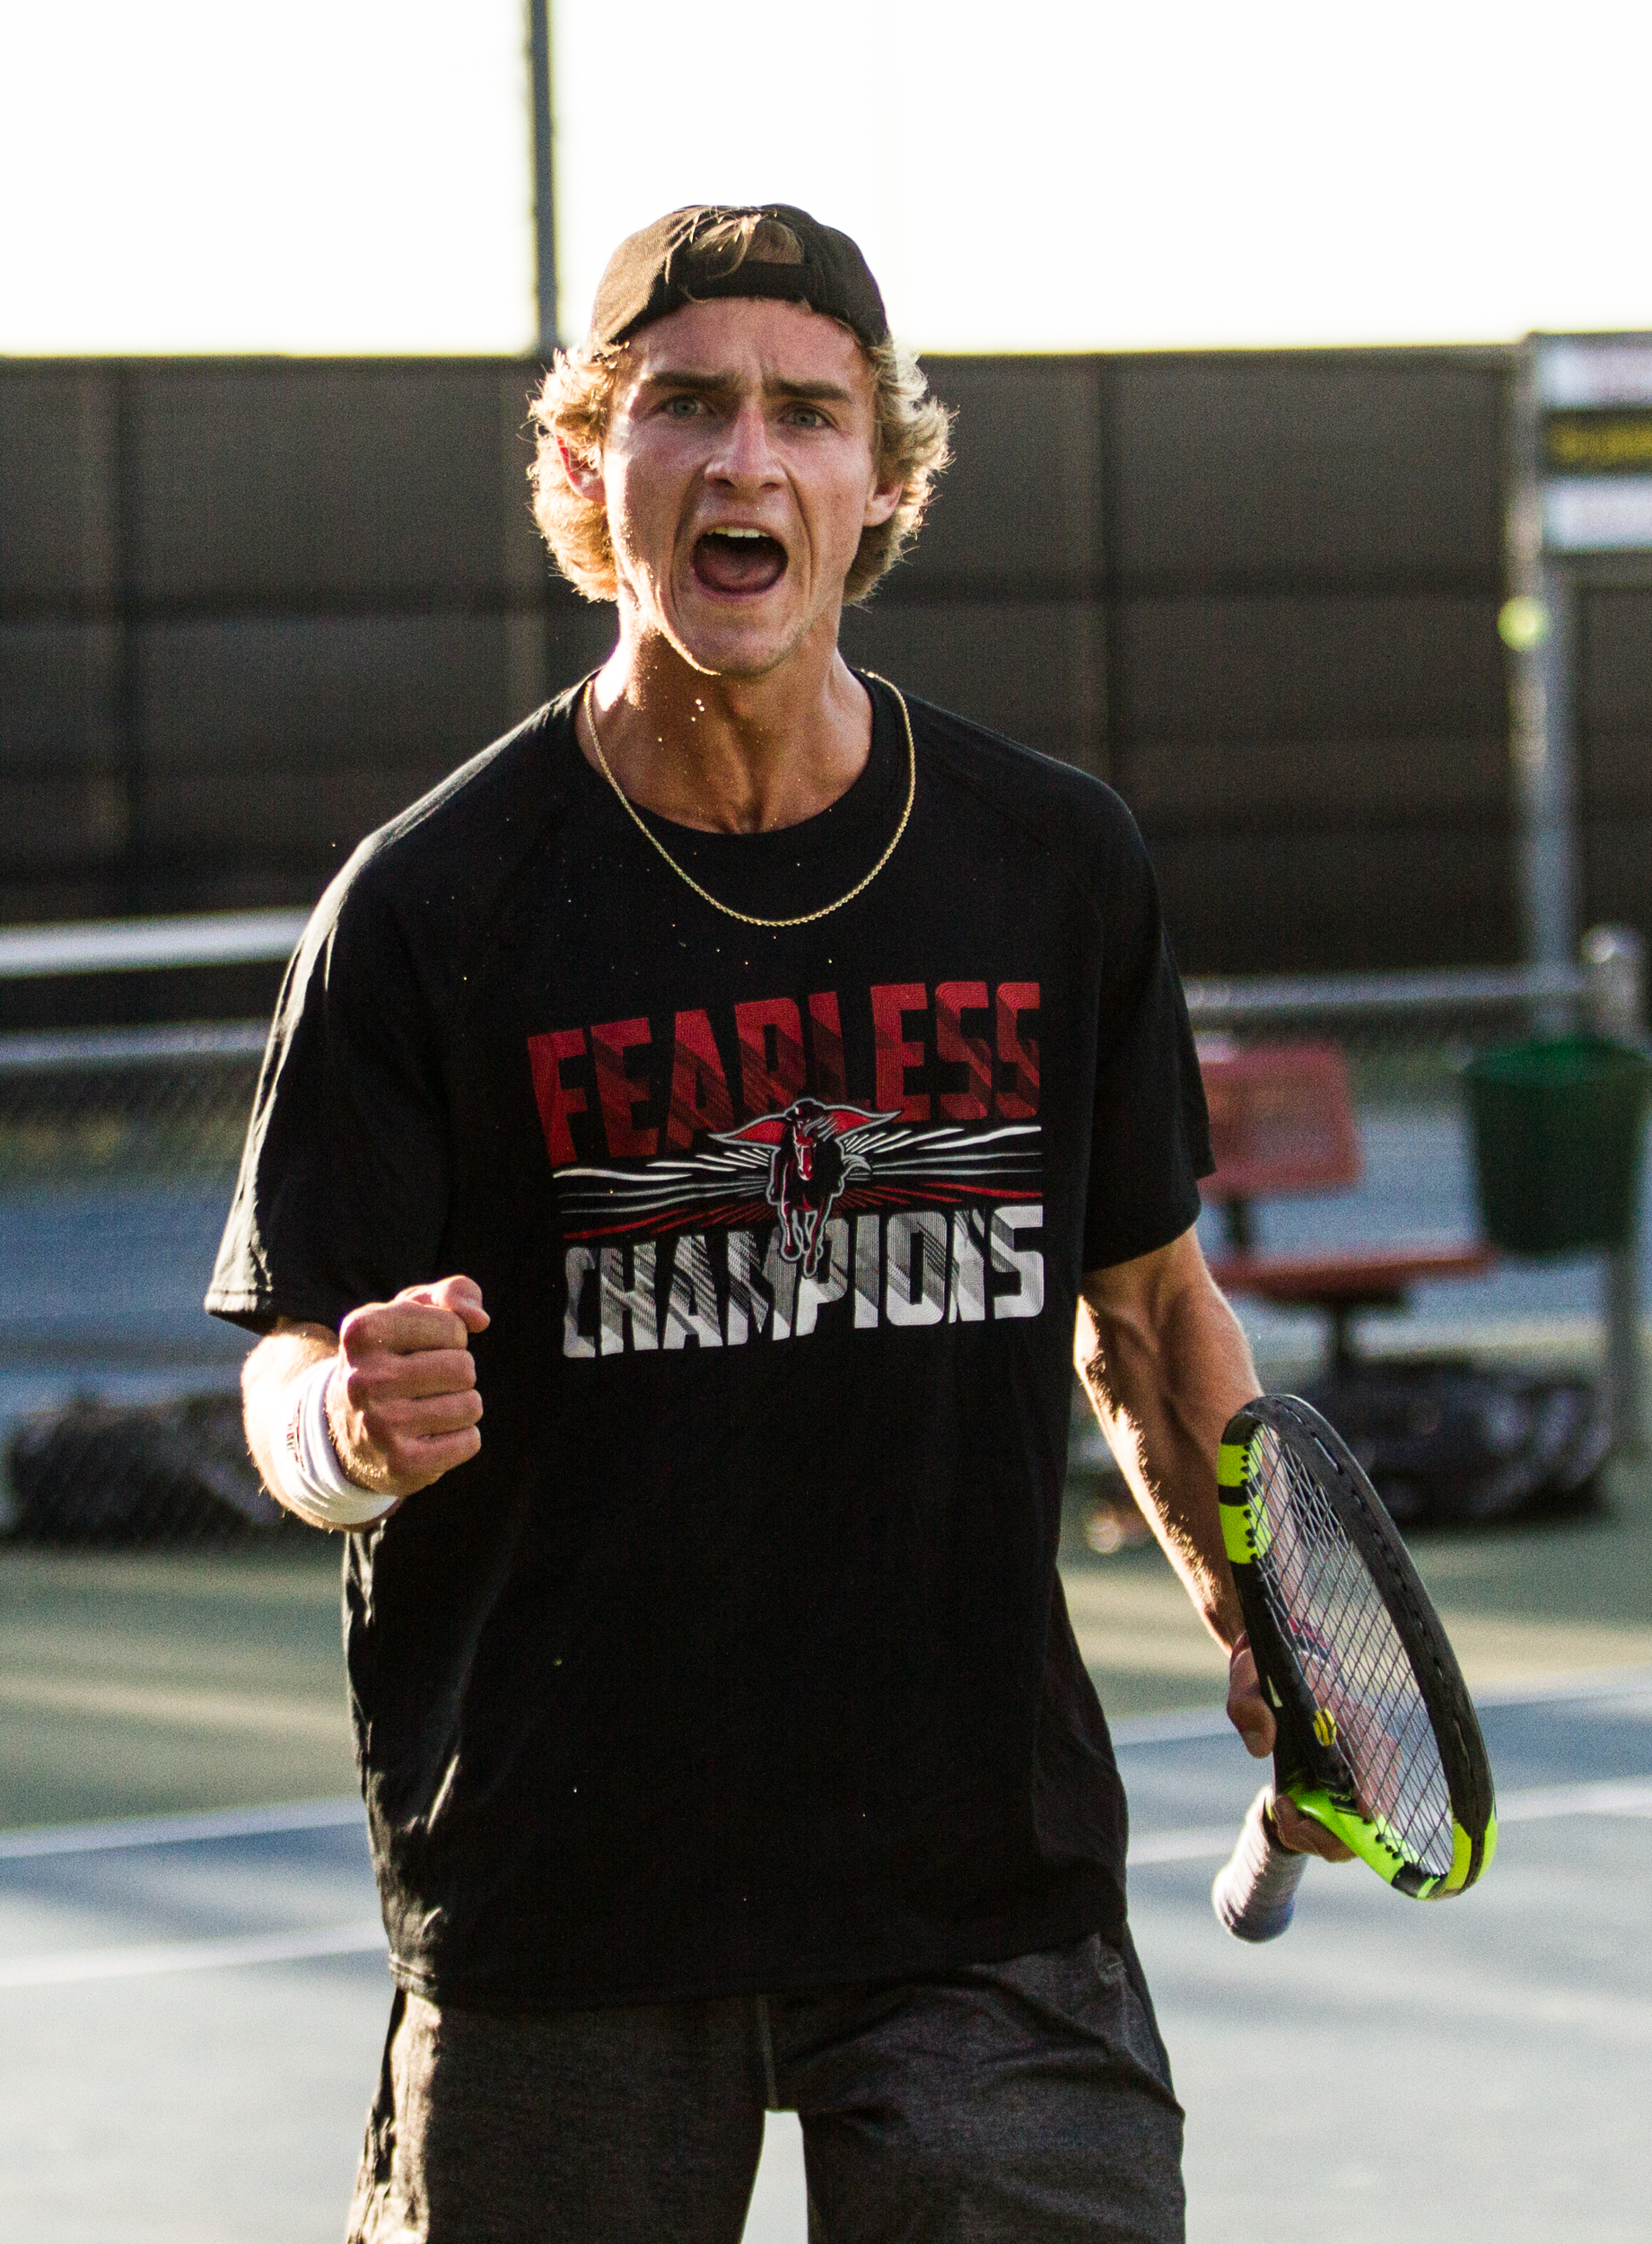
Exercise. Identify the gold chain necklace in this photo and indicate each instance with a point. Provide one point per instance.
(751, 918)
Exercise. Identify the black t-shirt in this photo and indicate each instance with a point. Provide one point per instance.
(737, 1659)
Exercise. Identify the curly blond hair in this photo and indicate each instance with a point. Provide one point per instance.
(572, 408)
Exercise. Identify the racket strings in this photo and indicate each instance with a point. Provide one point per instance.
(1356, 1668)
(1342, 1637)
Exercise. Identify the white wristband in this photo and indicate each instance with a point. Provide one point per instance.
(312, 1480)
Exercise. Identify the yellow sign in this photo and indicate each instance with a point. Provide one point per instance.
(1599, 443)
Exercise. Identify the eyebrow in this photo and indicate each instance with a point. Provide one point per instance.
(706, 384)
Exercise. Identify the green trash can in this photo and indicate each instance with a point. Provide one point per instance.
(1556, 1127)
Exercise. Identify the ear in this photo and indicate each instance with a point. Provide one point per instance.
(881, 502)
(583, 475)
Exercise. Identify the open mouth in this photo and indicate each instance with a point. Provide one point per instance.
(739, 560)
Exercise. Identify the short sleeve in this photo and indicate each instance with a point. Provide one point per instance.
(346, 1177)
(1150, 1137)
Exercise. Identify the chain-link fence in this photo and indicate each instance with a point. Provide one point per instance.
(1407, 1043)
(120, 1405)
(119, 1416)
(1475, 1385)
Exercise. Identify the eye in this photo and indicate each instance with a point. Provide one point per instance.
(684, 409)
(807, 416)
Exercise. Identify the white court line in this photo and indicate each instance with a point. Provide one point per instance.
(322, 1815)
(1633, 1797)
(1540, 1804)
(1183, 1846)
(1200, 1722)
(229, 1823)
(81, 1965)
(188, 1709)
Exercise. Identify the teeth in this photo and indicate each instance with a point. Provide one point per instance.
(728, 532)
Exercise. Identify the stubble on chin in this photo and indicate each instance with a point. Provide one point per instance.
(644, 621)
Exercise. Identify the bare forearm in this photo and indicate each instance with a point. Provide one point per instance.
(1165, 1365)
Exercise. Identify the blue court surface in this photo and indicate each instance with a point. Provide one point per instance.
(192, 2010)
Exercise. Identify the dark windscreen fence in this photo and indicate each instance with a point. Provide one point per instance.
(1614, 686)
(1308, 706)
(998, 611)
(1258, 592)
(249, 608)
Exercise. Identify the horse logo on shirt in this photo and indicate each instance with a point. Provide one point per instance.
(809, 1167)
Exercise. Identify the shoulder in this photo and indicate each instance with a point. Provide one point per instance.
(1075, 819)
(449, 855)
(480, 816)
(420, 891)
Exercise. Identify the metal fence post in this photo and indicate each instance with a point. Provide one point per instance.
(540, 67)
(1614, 969)
(1537, 624)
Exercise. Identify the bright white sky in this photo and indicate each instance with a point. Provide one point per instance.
(354, 175)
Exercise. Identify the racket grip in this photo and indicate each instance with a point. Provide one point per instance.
(1256, 1891)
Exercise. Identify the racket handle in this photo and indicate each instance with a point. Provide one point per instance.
(1256, 1891)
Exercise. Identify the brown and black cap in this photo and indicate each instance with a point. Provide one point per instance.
(716, 250)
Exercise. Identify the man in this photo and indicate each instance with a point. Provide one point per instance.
(744, 1081)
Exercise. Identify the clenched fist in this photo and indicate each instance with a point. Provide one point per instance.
(403, 1406)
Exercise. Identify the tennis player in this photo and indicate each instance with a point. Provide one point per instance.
(746, 1079)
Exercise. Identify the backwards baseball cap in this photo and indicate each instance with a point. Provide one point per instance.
(713, 250)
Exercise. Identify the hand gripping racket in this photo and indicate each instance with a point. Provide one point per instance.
(1377, 1735)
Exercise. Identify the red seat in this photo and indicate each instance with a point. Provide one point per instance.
(1282, 1123)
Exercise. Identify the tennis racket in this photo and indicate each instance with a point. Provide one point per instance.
(1377, 1736)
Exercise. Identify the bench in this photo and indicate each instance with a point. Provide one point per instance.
(1282, 1123)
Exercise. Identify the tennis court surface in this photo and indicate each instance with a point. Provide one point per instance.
(192, 2004)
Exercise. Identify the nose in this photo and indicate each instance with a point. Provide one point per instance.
(745, 458)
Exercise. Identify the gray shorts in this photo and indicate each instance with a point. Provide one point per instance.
(1022, 2100)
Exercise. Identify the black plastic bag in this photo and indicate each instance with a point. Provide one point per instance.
(143, 1474)
(1445, 1439)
